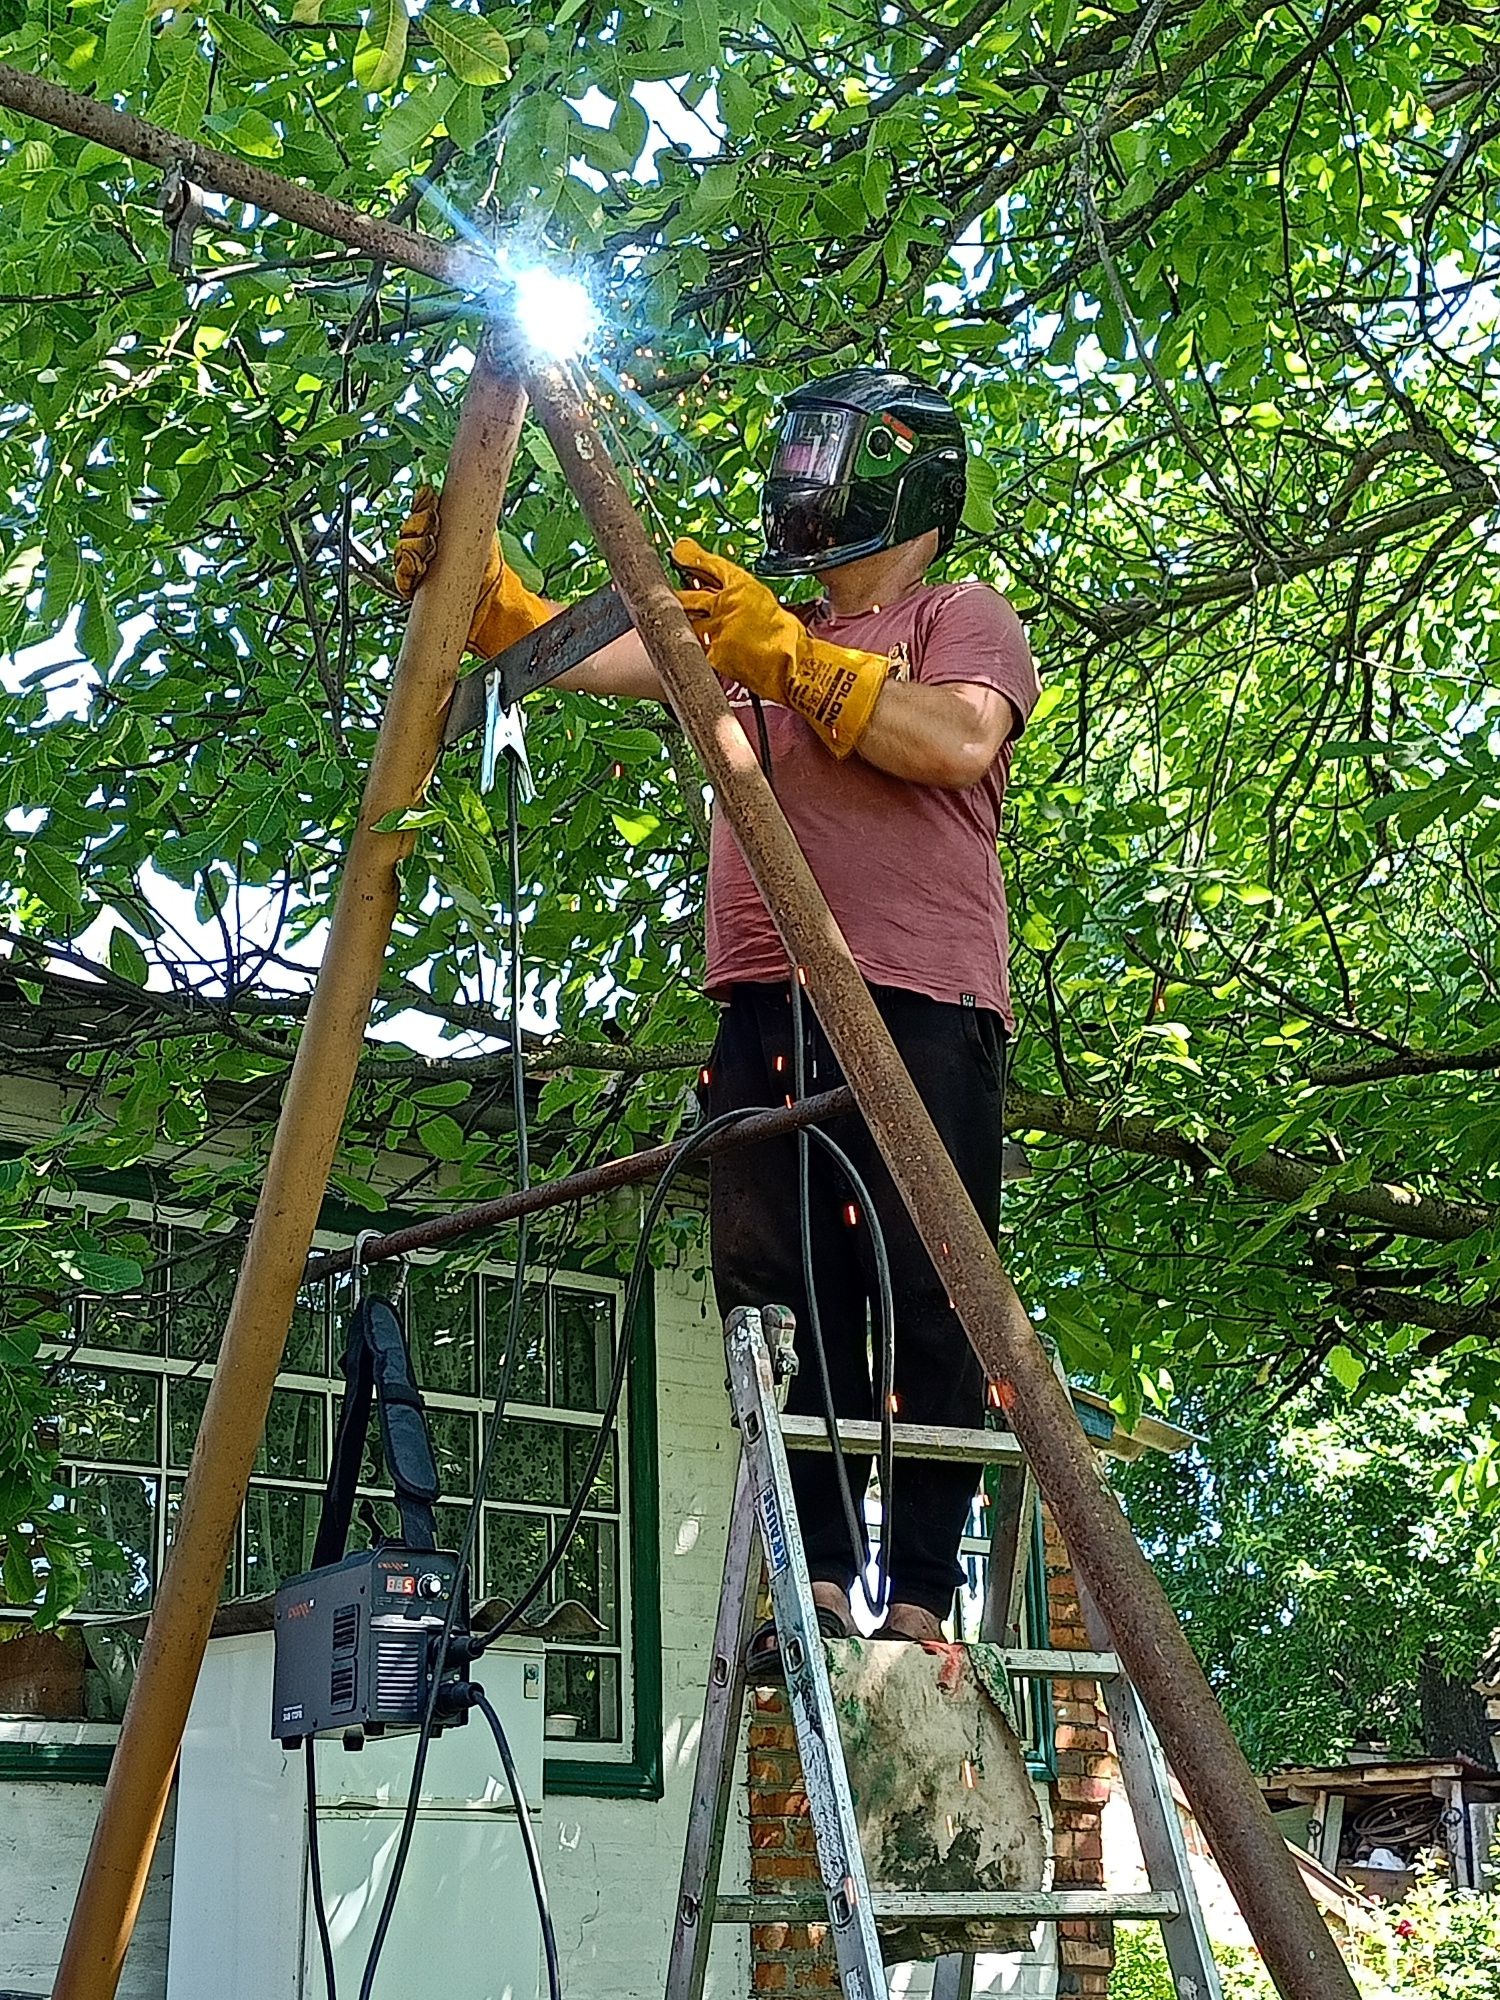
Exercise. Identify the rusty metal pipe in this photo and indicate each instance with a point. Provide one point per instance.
(307, 1136)
(1292, 1937)
(585, 1185)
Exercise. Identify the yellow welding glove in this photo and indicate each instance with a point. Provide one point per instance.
(505, 610)
(752, 639)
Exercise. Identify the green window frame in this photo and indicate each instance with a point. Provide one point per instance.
(143, 1366)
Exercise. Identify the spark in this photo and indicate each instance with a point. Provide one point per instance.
(851, 1215)
(967, 1772)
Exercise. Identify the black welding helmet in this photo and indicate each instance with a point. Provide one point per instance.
(864, 461)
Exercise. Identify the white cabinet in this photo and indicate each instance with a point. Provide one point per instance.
(242, 1924)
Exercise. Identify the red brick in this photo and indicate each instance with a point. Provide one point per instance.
(783, 1868)
(1081, 1736)
(773, 1736)
(769, 1976)
(1091, 1791)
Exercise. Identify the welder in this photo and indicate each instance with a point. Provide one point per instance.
(887, 709)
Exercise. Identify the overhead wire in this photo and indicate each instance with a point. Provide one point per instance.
(502, 1395)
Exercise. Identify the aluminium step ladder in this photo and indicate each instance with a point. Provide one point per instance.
(763, 1523)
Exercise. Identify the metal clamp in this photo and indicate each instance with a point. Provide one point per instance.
(181, 211)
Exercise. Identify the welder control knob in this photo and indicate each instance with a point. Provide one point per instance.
(430, 1584)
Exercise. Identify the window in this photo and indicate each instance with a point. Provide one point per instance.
(139, 1368)
(1034, 1705)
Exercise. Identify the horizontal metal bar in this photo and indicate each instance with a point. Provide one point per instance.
(1044, 1663)
(974, 1906)
(592, 1181)
(911, 1440)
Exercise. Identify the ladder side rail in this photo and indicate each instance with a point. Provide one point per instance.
(1148, 1787)
(851, 1910)
(718, 1742)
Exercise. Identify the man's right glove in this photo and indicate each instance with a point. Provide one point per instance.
(759, 643)
(505, 611)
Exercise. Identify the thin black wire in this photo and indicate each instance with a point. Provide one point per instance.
(528, 1841)
(502, 1393)
(854, 1522)
(315, 1869)
(625, 1340)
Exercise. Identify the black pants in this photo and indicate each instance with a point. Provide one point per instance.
(956, 1058)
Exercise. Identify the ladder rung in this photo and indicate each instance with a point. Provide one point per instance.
(971, 1907)
(1043, 1663)
(933, 1441)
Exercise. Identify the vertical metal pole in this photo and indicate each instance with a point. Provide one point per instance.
(307, 1136)
(1292, 1936)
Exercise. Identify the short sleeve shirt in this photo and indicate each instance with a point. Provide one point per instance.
(911, 872)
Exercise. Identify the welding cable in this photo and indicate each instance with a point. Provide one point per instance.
(315, 1870)
(528, 1841)
(459, 1594)
(859, 1538)
(634, 1290)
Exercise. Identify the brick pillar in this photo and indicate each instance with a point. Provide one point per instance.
(1085, 1767)
(787, 1958)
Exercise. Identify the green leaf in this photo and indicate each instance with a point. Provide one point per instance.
(307, 13)
(1345, 1368)
(248, 131)
(101, 1272)
(126, 957)
(738, 100)
(443, 1137)
(634, 828)
(466, 118)
(247, 47)
(409, 121)
(181, 99)
(700, 34)
(473, 50)
(127, 44)
(380, 53)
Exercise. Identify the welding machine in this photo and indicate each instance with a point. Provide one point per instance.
(357, 1636)
(356, 1643)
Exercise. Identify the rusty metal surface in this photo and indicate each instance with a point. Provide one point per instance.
(588, 1182)
(942, 1793)
(563, 642)
(1293, 1939)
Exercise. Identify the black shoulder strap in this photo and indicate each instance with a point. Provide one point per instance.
(376, 1362)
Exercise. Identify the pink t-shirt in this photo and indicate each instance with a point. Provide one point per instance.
(910, 871)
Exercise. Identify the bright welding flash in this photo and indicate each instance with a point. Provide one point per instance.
(555, 313)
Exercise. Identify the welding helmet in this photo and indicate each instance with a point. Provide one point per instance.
(863, 461)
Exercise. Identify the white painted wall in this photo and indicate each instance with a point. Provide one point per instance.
(44, 1835)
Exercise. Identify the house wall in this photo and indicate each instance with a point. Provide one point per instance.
(44, 1835)
(612, 1864)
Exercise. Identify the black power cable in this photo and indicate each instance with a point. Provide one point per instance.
(439, 1657)
(315, 1869)
(859, 1539)
(528, 1840)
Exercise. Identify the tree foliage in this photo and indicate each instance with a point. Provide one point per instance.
(1212, 285)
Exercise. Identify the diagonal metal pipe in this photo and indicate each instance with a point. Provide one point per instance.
(1293, 1939)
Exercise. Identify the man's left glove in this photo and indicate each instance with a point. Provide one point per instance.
(759, 643)
(505, 610)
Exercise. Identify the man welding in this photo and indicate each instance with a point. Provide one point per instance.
(887, 710)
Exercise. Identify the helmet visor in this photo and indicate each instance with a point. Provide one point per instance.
(815, 446)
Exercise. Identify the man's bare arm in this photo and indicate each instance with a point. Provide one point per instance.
(947, 735)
